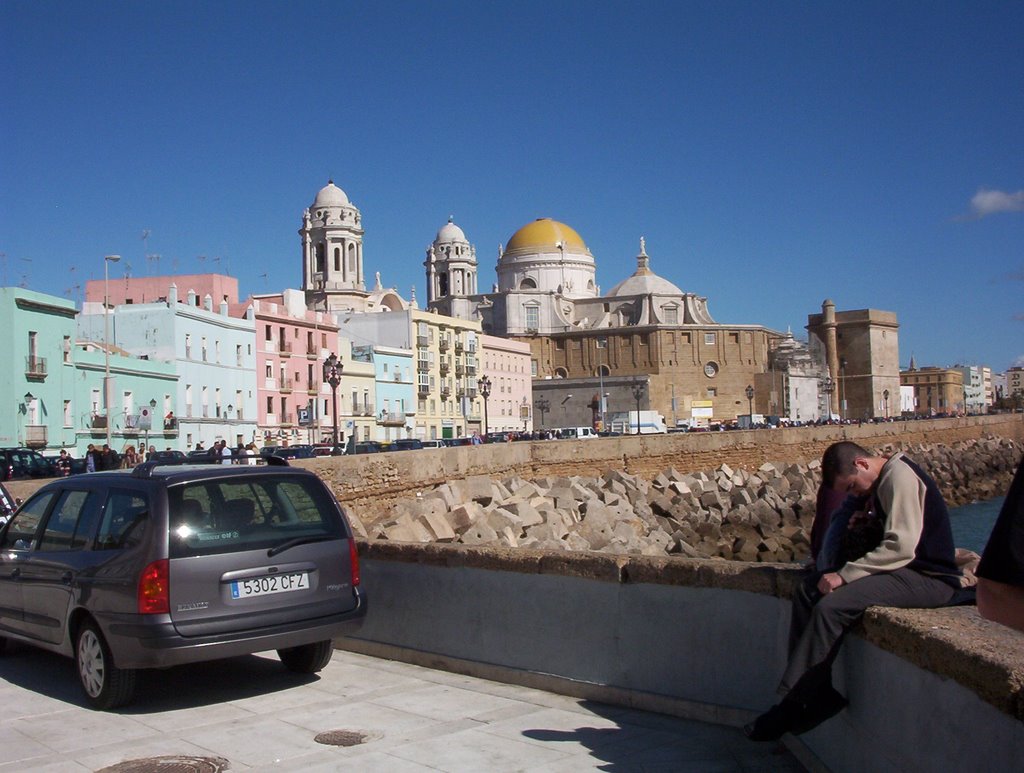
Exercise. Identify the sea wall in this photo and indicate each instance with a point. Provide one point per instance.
(764, 515)
(703, 639)
(373, 483)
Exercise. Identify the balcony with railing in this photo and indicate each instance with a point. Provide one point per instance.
(422, 365)
(287, 385)
(422, 341)
(443, 344)
(445, 365)
(470, 369)
(391, 418)
(423, 388)
(284, 349)
(35, 435)
(460, 369)
(445, 390)
(35, 367)
(287, 419)
(458, 346)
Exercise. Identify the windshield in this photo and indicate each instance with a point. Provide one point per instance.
(236, 514)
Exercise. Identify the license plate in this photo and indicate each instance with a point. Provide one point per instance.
(273, 583)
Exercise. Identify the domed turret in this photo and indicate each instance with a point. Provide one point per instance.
(451, 264)
(330, 196)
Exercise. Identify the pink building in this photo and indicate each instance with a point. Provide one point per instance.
(507, 364)
(293, 403)
(125, 289)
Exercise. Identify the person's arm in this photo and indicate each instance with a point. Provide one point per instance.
(901, 495)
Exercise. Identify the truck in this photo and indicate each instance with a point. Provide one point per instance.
(625, 422)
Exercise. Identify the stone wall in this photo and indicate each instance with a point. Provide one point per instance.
(370, 485)
(763, 515)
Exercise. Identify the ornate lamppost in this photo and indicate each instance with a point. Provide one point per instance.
(842, 389)
(332, 375)
(828, 387)
(638, 392)
(542, 405)
(484, 383)
(885, 399)
(749, 392)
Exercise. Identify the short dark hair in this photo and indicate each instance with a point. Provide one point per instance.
(838, 460)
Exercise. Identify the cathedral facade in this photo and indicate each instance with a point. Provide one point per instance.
(646, 343)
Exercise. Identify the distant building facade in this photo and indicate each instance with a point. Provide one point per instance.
(861, 352)
(936, 390)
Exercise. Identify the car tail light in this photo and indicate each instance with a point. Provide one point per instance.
(353, 561)
(155, 589)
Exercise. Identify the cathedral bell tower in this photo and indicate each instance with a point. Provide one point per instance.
(450, 265)
(332, 252)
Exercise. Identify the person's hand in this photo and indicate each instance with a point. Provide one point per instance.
(829, 582)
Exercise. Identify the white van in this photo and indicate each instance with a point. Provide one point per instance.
(575, 433)
(432, 444)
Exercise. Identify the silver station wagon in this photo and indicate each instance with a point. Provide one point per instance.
(166, 565)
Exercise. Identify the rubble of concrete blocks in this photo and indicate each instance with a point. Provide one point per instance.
(759, 515)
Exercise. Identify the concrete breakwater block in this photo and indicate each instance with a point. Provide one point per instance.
(761, 515)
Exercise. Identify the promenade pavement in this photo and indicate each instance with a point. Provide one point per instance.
(253, 715)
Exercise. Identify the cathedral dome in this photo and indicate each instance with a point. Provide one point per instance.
(643, 281)
(330, 196)
(545, 235)
(450, 233)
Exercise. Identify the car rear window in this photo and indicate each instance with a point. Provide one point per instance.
(249, 513)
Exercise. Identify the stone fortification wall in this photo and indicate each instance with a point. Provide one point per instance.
(370, 485)
(759, 516)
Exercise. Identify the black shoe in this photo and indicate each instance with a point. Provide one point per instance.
(774, 723)
(824, 706)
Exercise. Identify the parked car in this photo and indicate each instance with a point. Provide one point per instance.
(368, 447)
(432, 443)
(288, 452)
(406, 444)
(168, 564)
(21, 463)
(327, 449)
(202, 456)
(168, 457)
(8, 504)
(458, 441)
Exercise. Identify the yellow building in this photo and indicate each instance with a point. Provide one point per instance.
(936, 390)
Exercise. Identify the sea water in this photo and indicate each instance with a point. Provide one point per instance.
(973, 523)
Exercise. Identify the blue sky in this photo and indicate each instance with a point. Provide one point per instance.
(772, 154)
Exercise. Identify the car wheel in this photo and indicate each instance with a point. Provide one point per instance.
(307, 659)
(105, 685)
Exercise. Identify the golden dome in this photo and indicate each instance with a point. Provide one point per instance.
(544, 235)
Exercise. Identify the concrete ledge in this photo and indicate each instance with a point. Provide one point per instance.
(955, 643)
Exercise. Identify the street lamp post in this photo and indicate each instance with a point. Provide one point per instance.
(107, 260)
(152, 407)
(749, 391)
(842, 389)
(484, 383)
(542, 405)
(828, 387)
(638, 392)
(332, 375)
(885, 399)
(602, 343)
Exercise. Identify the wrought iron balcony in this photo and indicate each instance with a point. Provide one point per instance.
(35, 367)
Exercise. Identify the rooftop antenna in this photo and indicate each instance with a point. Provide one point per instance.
(145, 240)
(263, 276)
(152, 258)
(25, 275)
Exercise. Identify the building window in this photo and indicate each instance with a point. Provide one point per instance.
(712, 392)
(532, 317)
(709, 339)
(671, 315)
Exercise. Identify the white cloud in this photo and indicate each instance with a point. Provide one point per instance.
(988, 202)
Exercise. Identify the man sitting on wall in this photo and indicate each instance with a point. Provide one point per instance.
(913, 566)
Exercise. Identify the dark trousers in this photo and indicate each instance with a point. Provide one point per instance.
(820, 621)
